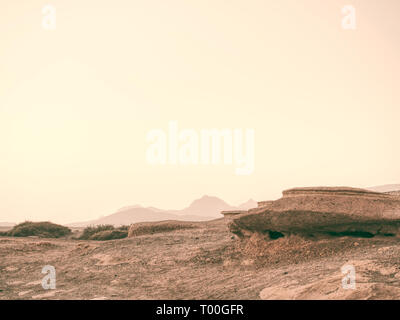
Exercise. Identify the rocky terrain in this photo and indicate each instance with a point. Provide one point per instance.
(205, 260)
(202, 263)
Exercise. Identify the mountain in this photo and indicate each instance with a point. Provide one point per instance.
(209, 206)
(203, 209)
(248, 205)
(385, 188)
(133, 215)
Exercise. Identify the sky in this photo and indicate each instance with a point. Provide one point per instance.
(77, 103)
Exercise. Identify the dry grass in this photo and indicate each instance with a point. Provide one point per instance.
(104, 232)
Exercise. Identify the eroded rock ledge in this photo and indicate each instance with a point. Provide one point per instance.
(322, 211)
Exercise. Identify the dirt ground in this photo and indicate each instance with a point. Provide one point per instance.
(203, 263)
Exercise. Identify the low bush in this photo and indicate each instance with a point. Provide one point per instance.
(104, 232)
(39, 229)
(109, 235)
(91, 230)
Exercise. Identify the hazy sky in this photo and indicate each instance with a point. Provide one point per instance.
(77, 102)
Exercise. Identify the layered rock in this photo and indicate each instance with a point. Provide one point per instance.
(333, 211)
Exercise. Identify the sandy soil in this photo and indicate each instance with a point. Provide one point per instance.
(205, 263)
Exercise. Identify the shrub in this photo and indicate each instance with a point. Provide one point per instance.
(109, 235)
(104, 232)
(39, 229)
(91, 230)
(123, 228)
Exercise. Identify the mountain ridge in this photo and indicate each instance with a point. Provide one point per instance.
(202, 209)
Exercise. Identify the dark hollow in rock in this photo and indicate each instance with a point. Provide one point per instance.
(275, 235)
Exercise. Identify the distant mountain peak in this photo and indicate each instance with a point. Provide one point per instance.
(129, 207)
(207, 197)
(205, 208)
(251, 203)
(208, 201)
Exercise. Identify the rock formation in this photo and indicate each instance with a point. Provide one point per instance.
(143, 228)
(322, 211)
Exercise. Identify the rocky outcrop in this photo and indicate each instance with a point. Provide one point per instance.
(327, 211)
(143, 228)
